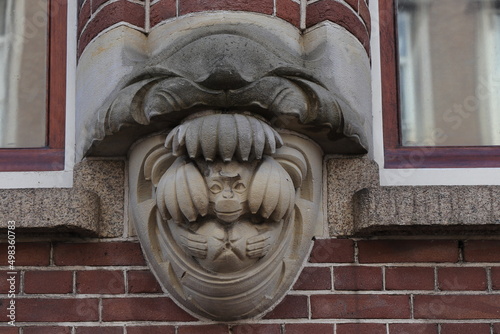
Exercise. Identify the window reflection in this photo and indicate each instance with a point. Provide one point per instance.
(23, 68)
(449, 77)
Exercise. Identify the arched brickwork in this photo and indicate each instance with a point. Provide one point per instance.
(96, 16)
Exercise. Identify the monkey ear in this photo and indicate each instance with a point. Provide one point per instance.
(182, 193)
(271, 193)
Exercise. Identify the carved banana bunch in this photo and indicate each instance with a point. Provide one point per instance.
(272, 194)
(228, 136)
(183, 192)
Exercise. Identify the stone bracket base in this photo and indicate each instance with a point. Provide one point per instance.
(358, 205)
(57, 210)
(429, 209)
(93, 207)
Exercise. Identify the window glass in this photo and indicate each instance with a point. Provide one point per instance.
(449, 72)
(23, 68)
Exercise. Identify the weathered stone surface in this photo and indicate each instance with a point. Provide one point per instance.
(345, 177)
(105, 178)
(358, 205)
(50, 210)
(412, 210)
(94, 206)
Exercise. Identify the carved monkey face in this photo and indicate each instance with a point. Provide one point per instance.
(228, 185)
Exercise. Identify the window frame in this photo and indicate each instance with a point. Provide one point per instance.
(395, 154)
(51, 157)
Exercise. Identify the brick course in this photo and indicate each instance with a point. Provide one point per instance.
(100, 284)
(151, 329)
(308, 328)
(100, 330)
(457, 307)
(192, 6)
(142, 282)
(161, 11)
(400, 251)
(122, 11)
(334, 11)
(409, 278)
(289, 11)
(48, 282)
(358, 278)
(56, 309)
(46, 330)
(460, 278)
(98, 254)
(142, 309)
(354, 306)
(482, 251)
(332, 251)
(27, 254)
(203, 329)
(5, 286)
(314, 278)
(292, 307)
(361, 328)
(256, 329)
(465, 328)
(413, 328)
(495, 278)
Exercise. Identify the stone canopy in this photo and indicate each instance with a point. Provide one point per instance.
(274, 71)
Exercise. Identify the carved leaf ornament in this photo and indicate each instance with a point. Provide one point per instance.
(225, 209)
(286, 97)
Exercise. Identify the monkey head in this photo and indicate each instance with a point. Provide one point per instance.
(228, 185)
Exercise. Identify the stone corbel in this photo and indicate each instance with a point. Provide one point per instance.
(226, 127)
(316, 83)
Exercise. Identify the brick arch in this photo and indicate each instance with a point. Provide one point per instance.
(95, 16)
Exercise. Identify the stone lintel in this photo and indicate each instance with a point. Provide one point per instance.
(358, 205)
(93, 207)
(427, 209)
(54, 210)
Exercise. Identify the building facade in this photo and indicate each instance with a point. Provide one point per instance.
(250, 167)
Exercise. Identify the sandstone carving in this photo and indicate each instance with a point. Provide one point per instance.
(225, 124)
(226, 208)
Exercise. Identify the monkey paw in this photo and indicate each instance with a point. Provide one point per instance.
(196, 244)
(259, 245)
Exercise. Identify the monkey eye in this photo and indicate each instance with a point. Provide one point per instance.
(239, 186)
(215, 188)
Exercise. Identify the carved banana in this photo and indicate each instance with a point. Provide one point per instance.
(272, 192)
(224, 135)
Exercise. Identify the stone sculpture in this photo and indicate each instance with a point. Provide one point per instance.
(225, 123)
(227, 208)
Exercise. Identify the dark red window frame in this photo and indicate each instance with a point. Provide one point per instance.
(50, 157)
(395, 154)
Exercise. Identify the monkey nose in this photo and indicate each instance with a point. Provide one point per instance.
(227, 194)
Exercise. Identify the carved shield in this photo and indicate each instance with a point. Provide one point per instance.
(225, 208)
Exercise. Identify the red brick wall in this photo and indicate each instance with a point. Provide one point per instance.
(348, 286)
(96, 16)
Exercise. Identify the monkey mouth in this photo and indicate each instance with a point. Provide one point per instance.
(228, 216)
